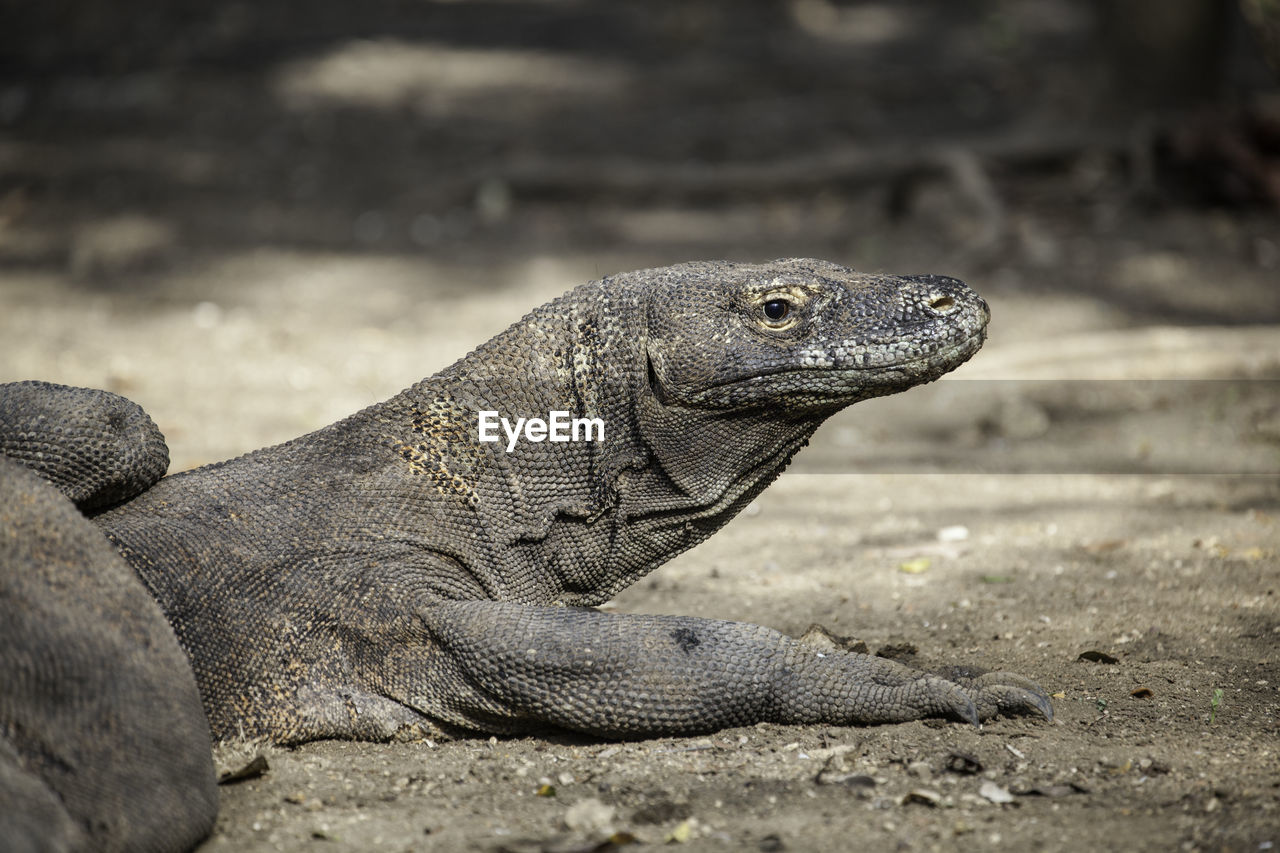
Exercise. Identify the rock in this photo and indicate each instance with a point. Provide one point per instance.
(994, 793)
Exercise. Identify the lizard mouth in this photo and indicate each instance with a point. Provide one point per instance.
(823, 383)
(928, 366)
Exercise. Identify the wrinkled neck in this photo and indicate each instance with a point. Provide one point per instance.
(709, 459)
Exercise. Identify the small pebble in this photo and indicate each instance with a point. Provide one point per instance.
(920, 770)
(994, 793)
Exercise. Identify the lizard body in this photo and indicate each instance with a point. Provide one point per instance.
(394, 576)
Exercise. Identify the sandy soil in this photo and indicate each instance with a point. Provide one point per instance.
(1172, 573)
(216, 241)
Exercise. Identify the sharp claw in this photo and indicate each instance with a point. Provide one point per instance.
(1008, 693)
(1025, 695)
(961, 703)
(966, 709)
(1043, 705)
(970, 697)
(1012, 679)
(1012, 700)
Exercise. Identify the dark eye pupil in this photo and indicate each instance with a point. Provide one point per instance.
(776, 309)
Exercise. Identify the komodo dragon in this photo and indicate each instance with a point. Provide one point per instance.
(393, 576)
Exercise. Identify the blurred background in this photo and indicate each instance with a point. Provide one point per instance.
(215, 208)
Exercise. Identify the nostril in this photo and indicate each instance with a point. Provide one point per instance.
(942, 304)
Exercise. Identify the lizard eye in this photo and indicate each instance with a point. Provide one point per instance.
(776, 310)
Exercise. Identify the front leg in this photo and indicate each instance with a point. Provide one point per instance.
(509, 667)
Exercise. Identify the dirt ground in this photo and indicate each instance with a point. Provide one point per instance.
(254, 222)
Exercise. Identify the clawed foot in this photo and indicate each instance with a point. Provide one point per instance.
(888, 691)
(999, 693)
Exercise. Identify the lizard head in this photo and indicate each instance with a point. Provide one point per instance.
(803, 334)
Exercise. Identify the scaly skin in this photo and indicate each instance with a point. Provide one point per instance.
(96, 447)
(391, 575)
(103, 742)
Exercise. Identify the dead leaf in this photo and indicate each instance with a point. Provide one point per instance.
(924, 797)
(1094, 656)
(1052, 790)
